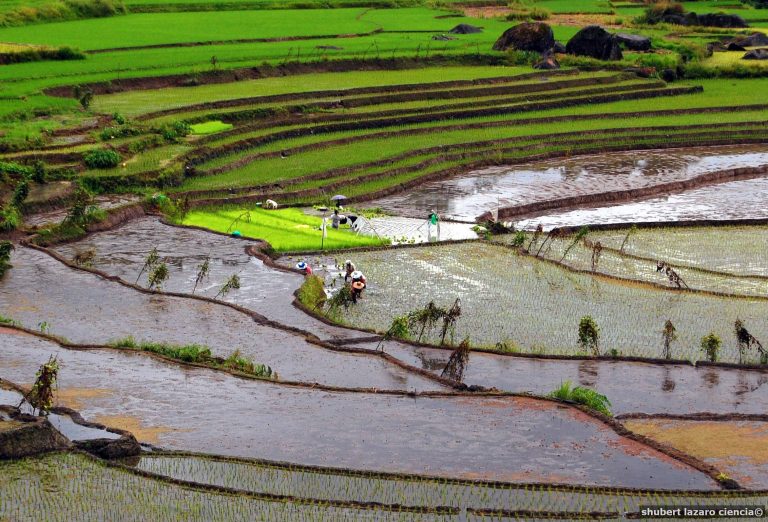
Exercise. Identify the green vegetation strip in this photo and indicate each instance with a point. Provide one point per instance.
(285, 229)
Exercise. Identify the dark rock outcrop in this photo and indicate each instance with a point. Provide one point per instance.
(466, 29)
(126, 446)
(753, 40)
(528, 36)
(596, 42)
(558, 48)
(26, 435)
(707, 20)
(634, 42)
(756, 54)
(734, 47)
(721, 20)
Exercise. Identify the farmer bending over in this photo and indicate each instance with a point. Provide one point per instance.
(358, 285)
(349, 269)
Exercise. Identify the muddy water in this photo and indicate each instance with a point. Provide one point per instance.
(734, 200)
(63, 423)
(269, 292)
(632, 387)
(201, 410)
(40, 292)
(467, 196)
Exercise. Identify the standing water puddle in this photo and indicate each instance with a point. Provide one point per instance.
(512, 439)
(470, 195)
(39, 292)
(733, 200)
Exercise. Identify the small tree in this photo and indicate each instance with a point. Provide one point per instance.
(149, 263)
(589, 335)
(710, 345)
(397, 330)
(449, 321)
(233, 283)
(746, 340)
(669, 335)
(597, 250)
(631, 231)
(40, 397)
(202, 273)
(158, 276)
(457, 363)
(581, 234)
(5, 256)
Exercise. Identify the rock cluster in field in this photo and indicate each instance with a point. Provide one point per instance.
(596, 42)
(528, 36)
(707, 20)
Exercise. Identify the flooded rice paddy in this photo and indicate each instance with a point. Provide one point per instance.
(511, 439)
(467, 196)
(535, 307)
(43, 294)
(122, 252)
(733, 200)
(632, 387)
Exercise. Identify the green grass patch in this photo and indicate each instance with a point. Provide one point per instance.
(210, 127)
(287, 229)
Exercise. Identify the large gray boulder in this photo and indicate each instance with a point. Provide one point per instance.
(25, 436)
(596, 42)
(634, 42)
(528, 36)
(756, 54)
(753, 40)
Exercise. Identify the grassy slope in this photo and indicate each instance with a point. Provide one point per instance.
(285, 229)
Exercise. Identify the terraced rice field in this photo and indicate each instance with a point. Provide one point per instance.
(250, 399)
(535, 307)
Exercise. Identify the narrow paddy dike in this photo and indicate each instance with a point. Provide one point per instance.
(39, 291)
(464, 436)
(667, 388)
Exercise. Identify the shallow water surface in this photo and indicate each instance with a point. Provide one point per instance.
(467, 196)
(196, 409)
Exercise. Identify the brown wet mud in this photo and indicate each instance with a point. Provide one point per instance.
(738, 448)
(467, 196)
(503, 438)
(42, 293)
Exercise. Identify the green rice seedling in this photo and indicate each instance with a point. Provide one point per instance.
(581, 395)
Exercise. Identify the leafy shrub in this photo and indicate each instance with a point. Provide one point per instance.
(589, 335)
(10, 218)
(102, 159)
(519, 239)
(710, 345)
(655, 12)
(586, 396)
(5, 256)
(174, 131)
(38, 172)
